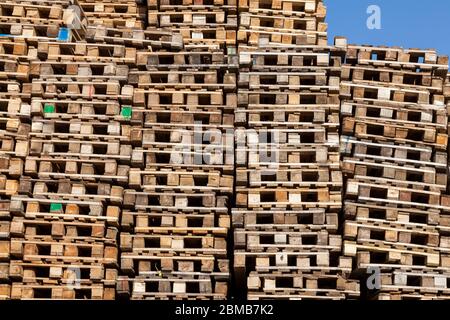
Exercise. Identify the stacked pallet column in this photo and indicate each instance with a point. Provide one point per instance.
(14, 129)
(128, 14)
(176, 218)
(394, 146)
(64, 233)
(42, 20)
(288, 182)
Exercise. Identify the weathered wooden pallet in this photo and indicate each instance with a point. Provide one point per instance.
(409, 116)
(175, 156)
(42, 248)
(62, 274)
(391, 232)
(86, 52)
(411, 282)
(67, 189)
(372, 252)
(166, 223)
(195, 80)
(312, 286)
(371, 192)
(52, 227)
(217, 17)
(135, 264)
(135, 37)
(289, 177)
(181, 180)
(78, 71)
(61, 292)
(144, 244)
(169, 201)
(401, 133)
(404, 176)
(385, 151)
(295, 198)
(62, 166)
(256, 97)
(412, 59)
(314, 219)
(311, 7)
(81, 110)
(202, 97)
(381, 92)
(181, 60)
(270, 116)
(88, 89)
(65, 210)
(399, 78)
(129, 14)
(156, 288)
(313, 260)
(184, 116)
(408, 296)
(381, 213)
(78, 129)
(266, 240)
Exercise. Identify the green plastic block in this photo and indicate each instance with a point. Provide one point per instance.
(56, 207)
(126, 112)
(49, 108)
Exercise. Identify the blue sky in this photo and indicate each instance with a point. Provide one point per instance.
(405, 23)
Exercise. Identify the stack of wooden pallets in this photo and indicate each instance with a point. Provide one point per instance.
(394, 145)
(14, 129)
(288, 182)
(65, 227)
(40, 20)
(200, 22)
(176, 211)
(115, 13)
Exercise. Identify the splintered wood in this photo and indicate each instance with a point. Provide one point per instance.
(135, 135)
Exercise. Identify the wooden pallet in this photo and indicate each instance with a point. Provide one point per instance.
(135, 38)
(167, 264)
(81, 110)
(265, 240)
(313, 260)
(177, 202)
(281, 220)
(374, 252)
(418, 156)
(144, 244)
(43, 249)
(122, 13)
(412, 59)
(301, 286)
(21, 291)
(371, 192)
(174, 288)
(390, 232)
(182, 60)
(59, 229)
(169, 223)
(66, 210)
(287, 7)
(86, 52)
(62, 274)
